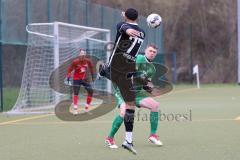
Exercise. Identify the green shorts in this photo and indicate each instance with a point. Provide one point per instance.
(140, 96)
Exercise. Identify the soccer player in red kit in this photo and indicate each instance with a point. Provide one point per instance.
(78, 70)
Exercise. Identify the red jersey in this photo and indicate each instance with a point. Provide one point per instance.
(79, 68)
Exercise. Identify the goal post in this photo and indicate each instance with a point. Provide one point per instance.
(56, 53)
(108, 38)
(49, 46)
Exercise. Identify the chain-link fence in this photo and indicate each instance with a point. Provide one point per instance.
(15, 19)
(15, 15)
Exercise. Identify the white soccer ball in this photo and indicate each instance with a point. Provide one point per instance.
(154, 20)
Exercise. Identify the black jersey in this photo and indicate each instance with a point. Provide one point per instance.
(126, 48)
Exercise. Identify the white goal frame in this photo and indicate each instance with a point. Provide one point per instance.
(56, 40)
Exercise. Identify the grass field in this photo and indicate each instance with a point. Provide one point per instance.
(212, 133)
(9, 97)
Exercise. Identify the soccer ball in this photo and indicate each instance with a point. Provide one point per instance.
(154, 20)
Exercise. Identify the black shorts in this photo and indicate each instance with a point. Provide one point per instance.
(78, 83)
(125, 86)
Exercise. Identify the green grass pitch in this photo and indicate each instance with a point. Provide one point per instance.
(213, 132)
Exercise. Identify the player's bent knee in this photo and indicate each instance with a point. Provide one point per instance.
(155, 107)
(122, 110)
(122, 113)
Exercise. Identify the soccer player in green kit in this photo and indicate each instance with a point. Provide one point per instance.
(146, 68)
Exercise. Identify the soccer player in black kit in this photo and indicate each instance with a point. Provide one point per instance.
(122, 65)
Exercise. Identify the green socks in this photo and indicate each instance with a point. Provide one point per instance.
(115, 126)
(119, 120)
(154, 122)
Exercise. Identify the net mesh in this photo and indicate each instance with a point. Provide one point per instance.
(49, 46)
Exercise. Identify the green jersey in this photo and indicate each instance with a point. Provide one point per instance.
(147, 68)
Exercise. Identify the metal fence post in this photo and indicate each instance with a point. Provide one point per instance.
(1, 74)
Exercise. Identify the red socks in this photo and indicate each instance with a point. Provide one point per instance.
(89, 99)
(75, 100)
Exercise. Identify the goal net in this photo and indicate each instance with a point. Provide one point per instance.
(49, 46)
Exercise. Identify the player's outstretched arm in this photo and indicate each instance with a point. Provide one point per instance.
(125, 28)
(132, 32)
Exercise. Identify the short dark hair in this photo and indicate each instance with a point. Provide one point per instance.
(131, 14)
(152, 45)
